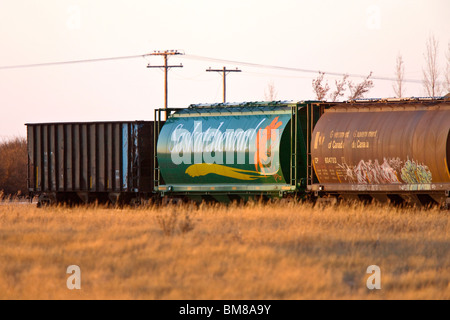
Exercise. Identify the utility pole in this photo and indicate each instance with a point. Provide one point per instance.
(166, 68)
(224, 71)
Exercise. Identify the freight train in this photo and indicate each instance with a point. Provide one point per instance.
(395, 150)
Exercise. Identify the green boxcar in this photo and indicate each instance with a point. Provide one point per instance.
(232, 151)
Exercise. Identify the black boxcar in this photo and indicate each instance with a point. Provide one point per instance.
(90, 161)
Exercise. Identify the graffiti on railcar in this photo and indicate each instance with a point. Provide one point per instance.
(391, 171)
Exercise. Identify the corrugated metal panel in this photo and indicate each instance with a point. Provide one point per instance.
(125, 155)
(31, 176)
(90, 157)
(76, 157)
(84, 168)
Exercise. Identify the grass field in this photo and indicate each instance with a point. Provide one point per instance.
(273, 251)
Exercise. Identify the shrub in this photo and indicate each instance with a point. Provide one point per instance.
(13, 166)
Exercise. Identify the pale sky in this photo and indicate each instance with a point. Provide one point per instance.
(346, 36)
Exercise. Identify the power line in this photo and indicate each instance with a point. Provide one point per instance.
(203, 58)
(291, 69)
(48, 64)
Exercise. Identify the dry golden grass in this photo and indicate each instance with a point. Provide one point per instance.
(274, 251)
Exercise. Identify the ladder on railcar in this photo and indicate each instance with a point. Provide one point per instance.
(159, 122)
(309, 134)
(294, 146)
(312, 118)
(156, 130)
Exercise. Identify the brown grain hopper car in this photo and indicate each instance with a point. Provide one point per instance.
(384, 150)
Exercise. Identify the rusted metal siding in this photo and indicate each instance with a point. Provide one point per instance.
(401, 145)
(90, 157)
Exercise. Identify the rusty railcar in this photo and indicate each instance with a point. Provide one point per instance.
(385, 150)
(90, 161)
